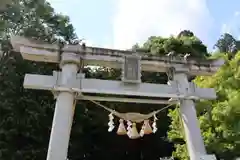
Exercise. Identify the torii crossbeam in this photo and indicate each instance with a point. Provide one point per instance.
(69, 84)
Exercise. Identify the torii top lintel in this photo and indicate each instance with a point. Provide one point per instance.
(37, 51)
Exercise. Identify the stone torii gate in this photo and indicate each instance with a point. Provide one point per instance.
(70, 84)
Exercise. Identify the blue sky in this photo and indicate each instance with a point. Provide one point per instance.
(121, 23)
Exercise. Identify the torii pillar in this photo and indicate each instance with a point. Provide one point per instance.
(64, 110)
(193, 137)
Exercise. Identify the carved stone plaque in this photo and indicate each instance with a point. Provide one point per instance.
(131, 70)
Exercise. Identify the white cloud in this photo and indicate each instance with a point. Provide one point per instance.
(136, 20)
(232, 26)
(237, 13)
(225, 28)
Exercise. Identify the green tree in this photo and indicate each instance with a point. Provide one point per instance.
(26, 115)
(186, 33)
(182, 44)
(227, 44)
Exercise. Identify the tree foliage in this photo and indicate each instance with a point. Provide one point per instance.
(25, 115)
(184, 43)
(227, 44)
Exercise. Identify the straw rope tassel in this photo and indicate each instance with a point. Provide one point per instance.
(134, 133)
(121, 129)
(147, 127)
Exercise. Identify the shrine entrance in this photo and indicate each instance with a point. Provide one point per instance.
(70, 85)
